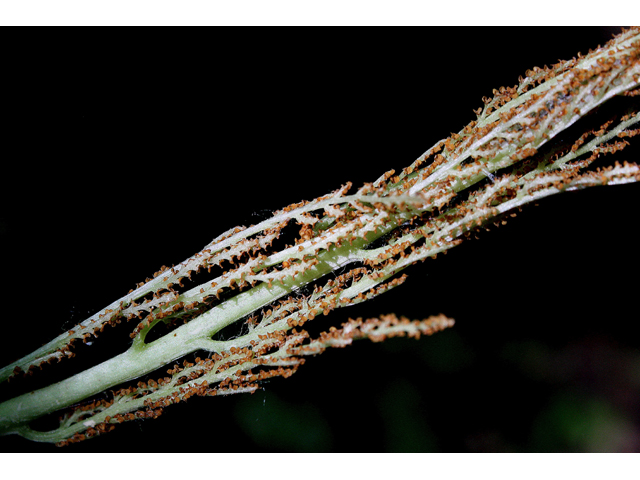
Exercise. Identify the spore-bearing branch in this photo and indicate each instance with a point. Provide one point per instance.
(467, 181)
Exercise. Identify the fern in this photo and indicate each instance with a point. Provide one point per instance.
(352, 245)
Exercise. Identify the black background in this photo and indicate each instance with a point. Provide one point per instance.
(122, 154)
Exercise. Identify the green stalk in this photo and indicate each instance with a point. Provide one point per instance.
(141, 359)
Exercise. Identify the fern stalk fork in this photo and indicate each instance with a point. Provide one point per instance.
(270, 279)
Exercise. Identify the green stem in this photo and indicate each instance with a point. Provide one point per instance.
(141, 359)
